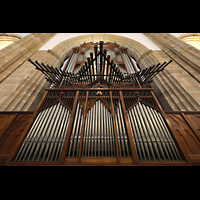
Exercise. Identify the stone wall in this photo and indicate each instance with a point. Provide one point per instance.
(180, 81)
(19, 81)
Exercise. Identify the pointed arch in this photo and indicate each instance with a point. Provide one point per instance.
(105, 103)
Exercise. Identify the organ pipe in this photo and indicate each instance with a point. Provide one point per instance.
(128, 63)
(44, 141)
(76, 133)
(151, 137)
(98, 139)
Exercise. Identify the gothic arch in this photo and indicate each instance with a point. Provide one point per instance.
(93, 101)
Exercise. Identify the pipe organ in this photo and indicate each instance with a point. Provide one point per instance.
(99, 109)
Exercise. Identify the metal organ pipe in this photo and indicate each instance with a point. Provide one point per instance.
(158, 129)
(68, 68)
(95, 131)
(141, 141)
(152, 139)
(49, 134)
(99, 127)
(76, 133)
(124, 56)
(111, 136)
(124, 130)
(26, 145)
(128, 63)
(98, 139)
(71, 62)
(152, 128)
(86, 138)
(102, 133)
(92, 133)
(37, 146)
(121, 133)
(167, 134)
(46, 136)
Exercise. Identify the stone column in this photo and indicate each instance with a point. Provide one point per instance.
(19, 81)
(185, 55)
(180, 81)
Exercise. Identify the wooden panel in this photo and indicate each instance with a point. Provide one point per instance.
(5, 120)
(194, 122)
(13, 126)
(185, 136)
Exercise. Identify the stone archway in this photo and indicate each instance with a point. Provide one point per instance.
(143, 56)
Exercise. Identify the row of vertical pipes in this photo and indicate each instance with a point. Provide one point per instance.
(98, 139)
(128, 63)
(45, 139)
(71, 62)
(151, 137)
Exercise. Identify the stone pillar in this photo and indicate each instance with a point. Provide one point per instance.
(180, 81)
(19, 81)
(185, 55)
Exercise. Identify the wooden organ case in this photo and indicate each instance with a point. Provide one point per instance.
(101, 110)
